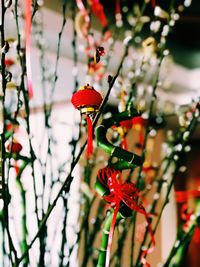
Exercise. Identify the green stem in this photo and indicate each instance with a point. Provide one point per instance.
(104, 240)
(24, 228)
(133, 238)
(23, 244)
(64, 239)
(171, 160)
(183, 240)
(117, 255)
(87, 208)
(128, 160)
(178, 252)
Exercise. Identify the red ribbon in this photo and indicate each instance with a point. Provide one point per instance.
(16, 167)
(89, 138)
(28, 21)
(98, 10)
(185, 215)
(196, 236)
(128, 194)
(117, 7)
(183, 196)
(124, 144)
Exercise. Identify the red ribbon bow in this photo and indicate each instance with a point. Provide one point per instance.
(126, 193)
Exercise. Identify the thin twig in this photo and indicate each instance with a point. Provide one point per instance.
(5, 189)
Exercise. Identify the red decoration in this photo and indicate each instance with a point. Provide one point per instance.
(90, 137)
(117, 7)
(96, 70)
(98, 10)
(98, 54)
(16, 147)
(149, 170)
(124, 144)
(139, 123)
(185, 215)
(9, 62)
(183, 196)
(118, 14)
(88, 101)
(127, 124)
(196, 236)
(126, 193)
(10, 126)
(28, 22)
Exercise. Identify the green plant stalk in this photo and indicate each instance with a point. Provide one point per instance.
(124, 212)
(1, 239)
(23, 243)
(128, 160)
(96, 227)
(104, 241)
(64, 239)
(183, 240)
(178, 258)
(87, 208)
(117, 255)
(183, 140)
(177, 254)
